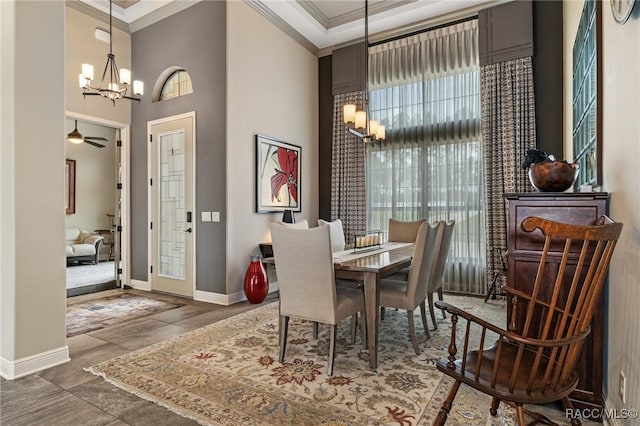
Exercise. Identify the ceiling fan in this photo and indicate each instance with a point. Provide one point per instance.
(76, 137)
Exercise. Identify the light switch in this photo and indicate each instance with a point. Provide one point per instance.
(206, 216)
(215, 216)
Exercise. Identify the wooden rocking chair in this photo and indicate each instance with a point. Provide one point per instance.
(529, 363)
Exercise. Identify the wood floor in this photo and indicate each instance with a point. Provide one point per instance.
(68, 395)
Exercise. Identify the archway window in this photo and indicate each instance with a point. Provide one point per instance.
(178, 84)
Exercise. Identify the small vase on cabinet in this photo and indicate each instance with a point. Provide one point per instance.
(256, 284)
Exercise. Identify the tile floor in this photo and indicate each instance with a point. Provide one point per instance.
(67, 395)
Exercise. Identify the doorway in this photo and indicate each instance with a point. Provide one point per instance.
(172, 204)
(100, 162)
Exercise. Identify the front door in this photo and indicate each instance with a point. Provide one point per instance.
(171, 154)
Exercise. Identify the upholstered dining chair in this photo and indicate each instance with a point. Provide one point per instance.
(306, 282)
(534, 361)
(403, 232)
(412, 293)
(436, 282)
(337, 234)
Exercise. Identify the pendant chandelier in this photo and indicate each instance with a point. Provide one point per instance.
(357, 121)
(115, 83)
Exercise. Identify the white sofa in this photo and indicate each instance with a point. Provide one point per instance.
(83, 246)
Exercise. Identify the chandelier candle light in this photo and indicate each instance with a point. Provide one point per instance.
(356, 121)
(114, 84)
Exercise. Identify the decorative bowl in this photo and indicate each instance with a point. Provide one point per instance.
(553, 176)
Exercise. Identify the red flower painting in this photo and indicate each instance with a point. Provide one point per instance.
(286, 174)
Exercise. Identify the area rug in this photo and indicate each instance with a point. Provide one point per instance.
(84, 275)
(96, 314)
(227, 373)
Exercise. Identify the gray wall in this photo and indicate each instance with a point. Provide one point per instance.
(194, 39)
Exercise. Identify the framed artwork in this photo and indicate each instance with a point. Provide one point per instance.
(277, 175)
(587, 95)
(70, 187)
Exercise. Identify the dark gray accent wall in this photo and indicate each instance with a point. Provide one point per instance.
(325, 136)
(547, 75)
(194, 39)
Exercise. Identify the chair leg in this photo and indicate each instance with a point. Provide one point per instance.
(363, 329)
(495, 403)
(354, 327)
(432, 312)
(441, 418)
(521, 420)
(316, 325)
(441, 298)
(332, 348)
(284, 328)
(412, 332)
(381, 313)
(423, 314)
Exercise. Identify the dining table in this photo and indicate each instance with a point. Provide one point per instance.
(369, 267)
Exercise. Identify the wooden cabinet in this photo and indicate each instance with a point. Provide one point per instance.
(524, 249)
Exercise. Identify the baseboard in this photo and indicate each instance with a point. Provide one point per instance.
(140, 285)
(609, 407)
(226, 299)
(15, 369)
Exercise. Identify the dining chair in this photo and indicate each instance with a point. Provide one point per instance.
(436, 282)
(412, 293)
(337, 234)
(306, 282)
(534, 360)
(303, 224)
(402, 231)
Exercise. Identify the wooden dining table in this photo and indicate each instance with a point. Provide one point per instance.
(369, 268)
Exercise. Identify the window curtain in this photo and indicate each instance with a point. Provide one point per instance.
(508, 131)
(426, 90)
(348, 175)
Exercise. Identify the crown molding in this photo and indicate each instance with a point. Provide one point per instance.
(98, 14)
(159, 14)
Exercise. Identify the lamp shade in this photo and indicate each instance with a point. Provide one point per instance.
(138, 87)
(349, 113)
(380, 133)
(125, 76)
(361, 119)
(87, 71)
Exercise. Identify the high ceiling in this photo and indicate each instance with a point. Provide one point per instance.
(319, 24)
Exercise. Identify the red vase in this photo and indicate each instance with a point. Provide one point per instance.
(256, 283)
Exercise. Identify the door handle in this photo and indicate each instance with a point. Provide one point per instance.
(187, 230)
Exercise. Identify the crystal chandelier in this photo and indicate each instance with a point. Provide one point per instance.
(356, 121)
(115, 83)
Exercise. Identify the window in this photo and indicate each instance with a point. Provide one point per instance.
(178, 84)
(430, 165)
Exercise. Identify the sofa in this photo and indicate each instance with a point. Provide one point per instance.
(83, 246)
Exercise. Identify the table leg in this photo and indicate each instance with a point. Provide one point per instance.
(372, 300)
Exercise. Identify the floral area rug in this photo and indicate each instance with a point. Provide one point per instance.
(228, 373)
(96, 314)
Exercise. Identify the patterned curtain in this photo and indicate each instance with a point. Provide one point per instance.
(508, 131)
(348, 171)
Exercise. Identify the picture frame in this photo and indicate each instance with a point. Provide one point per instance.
(70, 186)
(278, 175)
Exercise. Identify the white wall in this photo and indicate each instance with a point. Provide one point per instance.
(32, 297)
(272, 90)
(621, 169)
(95, 177)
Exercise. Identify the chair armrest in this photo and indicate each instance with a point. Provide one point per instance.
(509, 335)
(92, 239)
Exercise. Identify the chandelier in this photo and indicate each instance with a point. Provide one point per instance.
(357, 121)
(115, 83)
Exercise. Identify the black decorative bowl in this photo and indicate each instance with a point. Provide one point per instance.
(553, 176)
